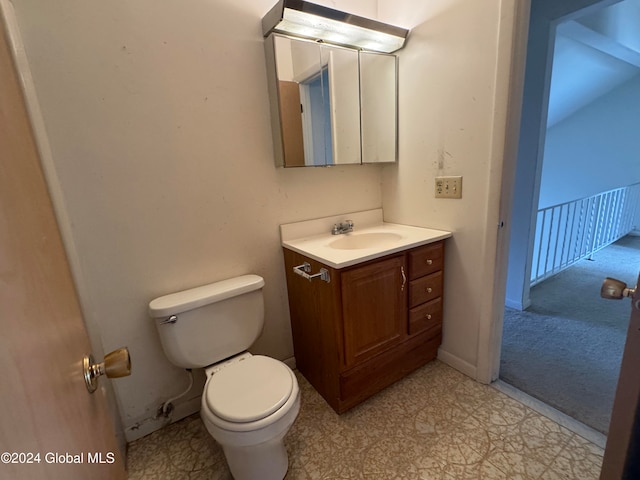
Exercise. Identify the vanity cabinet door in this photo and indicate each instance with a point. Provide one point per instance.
(374, 308)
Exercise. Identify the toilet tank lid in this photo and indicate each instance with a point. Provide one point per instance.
(186, 300)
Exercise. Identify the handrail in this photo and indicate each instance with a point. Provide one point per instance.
(568, 232)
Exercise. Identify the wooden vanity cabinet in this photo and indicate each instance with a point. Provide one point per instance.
(371, 325)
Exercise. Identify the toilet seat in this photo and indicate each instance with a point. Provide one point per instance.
(249, 390)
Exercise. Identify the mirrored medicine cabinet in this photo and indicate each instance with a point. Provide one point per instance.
(331, 105)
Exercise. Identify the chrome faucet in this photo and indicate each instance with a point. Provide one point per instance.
(344, 227)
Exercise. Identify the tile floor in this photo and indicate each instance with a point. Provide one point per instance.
(434, 424)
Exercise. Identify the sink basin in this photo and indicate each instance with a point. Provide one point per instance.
(372, 238)
(358, 241)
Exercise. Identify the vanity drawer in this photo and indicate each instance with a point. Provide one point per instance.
(425, 260)
(427, 316)
(425, 289)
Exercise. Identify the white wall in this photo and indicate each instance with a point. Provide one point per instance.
(450, 112)
(581, 74)
(594, 150)
(619, 21)
(158, 120)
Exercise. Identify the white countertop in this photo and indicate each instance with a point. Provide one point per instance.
(317, 245)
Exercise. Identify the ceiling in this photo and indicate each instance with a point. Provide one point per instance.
(593, 55)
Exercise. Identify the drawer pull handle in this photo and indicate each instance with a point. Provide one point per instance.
(429, 261)
(428, 316)
(429, 289)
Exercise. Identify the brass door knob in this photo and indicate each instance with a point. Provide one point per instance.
(614, 289)
(116, 364)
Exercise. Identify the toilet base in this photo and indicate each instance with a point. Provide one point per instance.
(247, 460)
(266, 461)
(255, 450)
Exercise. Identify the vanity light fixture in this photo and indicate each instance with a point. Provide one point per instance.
(316, 22)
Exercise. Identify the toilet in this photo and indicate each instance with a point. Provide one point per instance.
(249, 401)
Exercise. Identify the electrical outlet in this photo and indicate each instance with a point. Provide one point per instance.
(449, 187)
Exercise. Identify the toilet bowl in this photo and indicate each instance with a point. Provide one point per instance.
(248, 408)
(249, 401)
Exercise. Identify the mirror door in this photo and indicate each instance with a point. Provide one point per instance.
(318, 93)
(343, 101)
(299, 93)
(378, 105)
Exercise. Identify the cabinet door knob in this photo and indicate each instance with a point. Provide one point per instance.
(429, 289)
(428, 316)
(429, 261)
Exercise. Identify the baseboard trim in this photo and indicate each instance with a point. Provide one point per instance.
(457, 363)
(517, 305)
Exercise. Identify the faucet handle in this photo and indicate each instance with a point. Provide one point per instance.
(342, 227)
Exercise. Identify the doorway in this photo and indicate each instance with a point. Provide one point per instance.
(545, 20)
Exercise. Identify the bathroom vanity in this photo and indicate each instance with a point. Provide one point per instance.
(366, 307)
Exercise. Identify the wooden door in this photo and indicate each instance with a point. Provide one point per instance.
(51, 427)
(291, 123)
(374, 308)
(622, 453)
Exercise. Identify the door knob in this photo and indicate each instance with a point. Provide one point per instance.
(116, 364)
(613, 289)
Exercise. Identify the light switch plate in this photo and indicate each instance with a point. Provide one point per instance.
(449, 187)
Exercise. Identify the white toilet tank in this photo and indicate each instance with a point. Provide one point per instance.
(212, 322)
